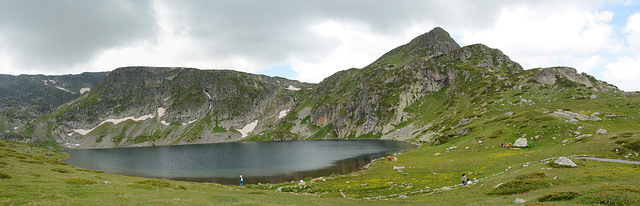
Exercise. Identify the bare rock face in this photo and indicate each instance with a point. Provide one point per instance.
(565, 161)
(550, 76)
(520, 142)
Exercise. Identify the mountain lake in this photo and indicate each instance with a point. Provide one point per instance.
(257, 162)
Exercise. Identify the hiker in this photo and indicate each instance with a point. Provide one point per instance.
(395, 158)
(501, 145)
(464, 179)
(241, 180)
(507, 145)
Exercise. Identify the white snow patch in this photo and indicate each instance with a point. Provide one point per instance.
(208, 95)
(66, 90)
(292, 88)
(248, 128)
(85, 89)
(14, 128)
(69, 134)
(161, 111)
(46, 82)
(283, 113)
(165, 123)
(188, 123)
(114, 121)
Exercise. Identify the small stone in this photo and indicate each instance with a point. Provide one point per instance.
(106, 182)
(508, 114)
(601, 131)
(402, 196)
(519, 201)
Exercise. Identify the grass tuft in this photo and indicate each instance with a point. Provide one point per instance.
(4, 175)
(559, 196)
(60, 170)
(532, 175)
(79, 181)
(154, 182)
(519, 186)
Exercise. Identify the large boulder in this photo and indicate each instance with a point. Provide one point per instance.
(565, 161)
(521, 142)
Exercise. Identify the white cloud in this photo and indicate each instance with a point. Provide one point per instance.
(633, 31)
(547, 36)
(356, 47)
(624, 73)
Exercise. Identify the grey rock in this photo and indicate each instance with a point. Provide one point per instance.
(565, 161)
(106, 182)
(464, 121)
(508, 114)
(519, 201)
(601, 131)
(572, 115)
(462, 131)
(520, 142)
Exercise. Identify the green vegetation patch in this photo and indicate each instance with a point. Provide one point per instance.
(61, 170)
(519, 186)
(559, 196)
(4, 175)
(79, 181)
(154, 182)
(613, 195)
(532, 175)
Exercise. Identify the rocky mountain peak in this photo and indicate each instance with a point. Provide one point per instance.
(433, 43)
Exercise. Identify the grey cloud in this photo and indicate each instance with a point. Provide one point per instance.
(270, 31)
(57, 33)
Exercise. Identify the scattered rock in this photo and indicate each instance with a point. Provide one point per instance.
(397, 168)
(572, 115)
(520, 142)
(601, 131)
(464, 121)
(565, 161)
(462, 131)
(593, 96)
(526, 101)
(519, 201)
(479, 141)
(402, 196)
(584, 135)
(106, 182)
(508, 114)
(437, 154)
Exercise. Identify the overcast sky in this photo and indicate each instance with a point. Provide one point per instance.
(311, 39)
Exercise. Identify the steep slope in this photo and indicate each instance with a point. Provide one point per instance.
(25, 97)
(409, 97)
(137, 106)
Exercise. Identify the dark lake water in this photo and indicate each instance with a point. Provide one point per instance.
(257, 162)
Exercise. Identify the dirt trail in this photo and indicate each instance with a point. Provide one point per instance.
(611, 160)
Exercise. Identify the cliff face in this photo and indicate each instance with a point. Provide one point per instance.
(416, 92)
(25, 97)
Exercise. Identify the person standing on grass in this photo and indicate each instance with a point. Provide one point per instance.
(464, 179)
(241, 180)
